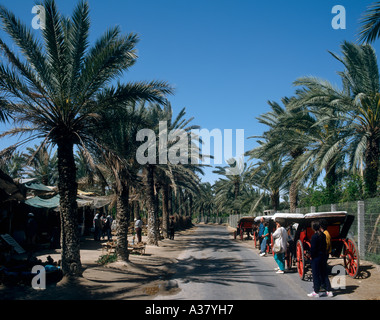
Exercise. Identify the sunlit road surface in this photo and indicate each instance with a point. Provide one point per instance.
(217, 267)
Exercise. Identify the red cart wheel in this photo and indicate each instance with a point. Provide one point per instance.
(300, 260)
(351, 258)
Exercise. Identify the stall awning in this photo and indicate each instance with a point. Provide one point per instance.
(34, 185)
(96, 202)
(38, 202)
(93, 202)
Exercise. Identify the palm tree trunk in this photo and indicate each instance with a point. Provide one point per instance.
(67, 186)
(122, 218)
(191, 204)
(151, 207)
(371, 171)
(331, 182)
(275, 199)
(165, 214)
(293, 196)
(236, 194)
(170, 202)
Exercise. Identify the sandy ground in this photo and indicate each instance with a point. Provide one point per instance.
(141, 278)
(147, 275)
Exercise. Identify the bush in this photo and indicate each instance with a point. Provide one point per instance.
(107, 258)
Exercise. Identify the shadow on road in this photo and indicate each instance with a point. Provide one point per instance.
(212, 267)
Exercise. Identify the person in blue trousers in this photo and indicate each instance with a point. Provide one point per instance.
(265, 237)
(280, 236)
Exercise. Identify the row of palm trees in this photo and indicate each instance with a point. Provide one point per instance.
(62, 91)
(322, 130)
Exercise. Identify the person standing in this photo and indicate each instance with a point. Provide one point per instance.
(265, 238)
(317, 253)
(97, 227)
(261, 231)
(280, 237)
(324, 273)
(107, 227)
(171, 229)
(31, 231)
(138, 229)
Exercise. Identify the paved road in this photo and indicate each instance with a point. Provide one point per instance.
(217, 267)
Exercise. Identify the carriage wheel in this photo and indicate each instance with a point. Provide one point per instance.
(300, 260)
(351, 258)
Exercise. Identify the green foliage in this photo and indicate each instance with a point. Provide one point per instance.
(107, 258)
(349, 189)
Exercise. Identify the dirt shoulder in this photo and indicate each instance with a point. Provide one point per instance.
(141, 278)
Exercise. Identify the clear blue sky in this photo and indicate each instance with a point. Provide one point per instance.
(225, 58)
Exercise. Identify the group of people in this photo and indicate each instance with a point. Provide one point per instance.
(319, 252)
(138, 228)
(280, 238)
(102, 227)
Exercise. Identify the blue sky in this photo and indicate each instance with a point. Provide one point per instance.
(225, 58)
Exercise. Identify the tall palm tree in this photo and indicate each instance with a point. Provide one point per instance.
(282, 141)
(43, 163)
(92, 175)
(117, 133)
(320, 136)
(231, 183)
(356, 105)
(59, 88)
(270, 176)
(169, 171)
(13, 163)
(370, 24)
(205, 200)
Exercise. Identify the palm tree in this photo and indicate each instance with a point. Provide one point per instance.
(92, 175)
(43, 164)
(356, 106)
(205, 201)
(320, 136)
(12, 163)
(370, 24)
(231, 184)
(170, 172)
(59, 89)
(282, 141)
(270, 176)
(117, 133)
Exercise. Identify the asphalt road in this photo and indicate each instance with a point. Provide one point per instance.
(216, 267)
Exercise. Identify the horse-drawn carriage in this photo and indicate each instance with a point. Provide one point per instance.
(245, 225)
(300, 233)
(338, 225)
